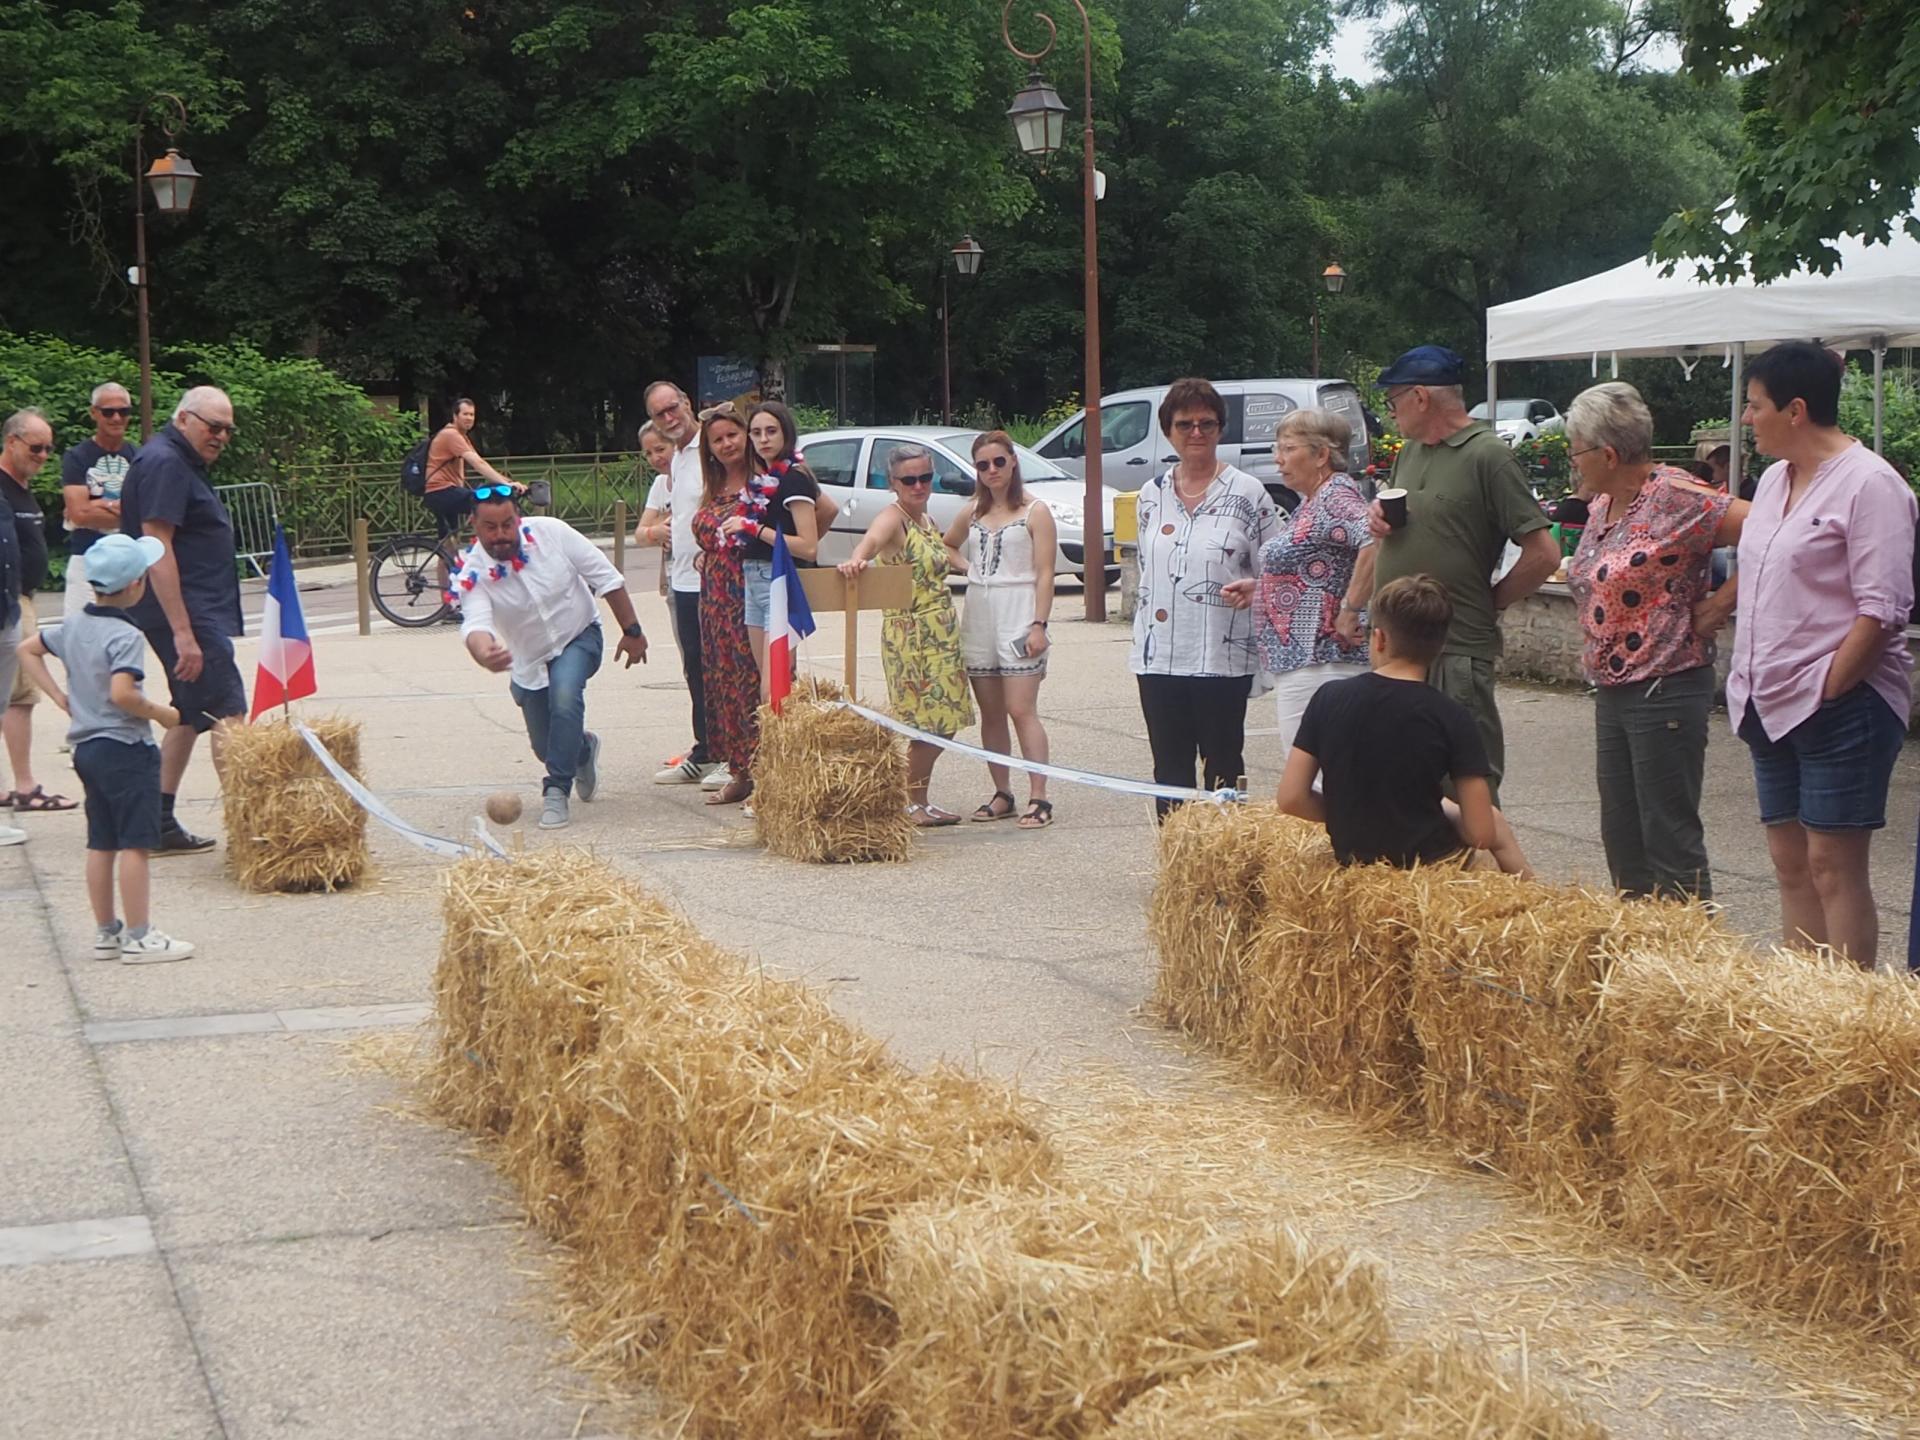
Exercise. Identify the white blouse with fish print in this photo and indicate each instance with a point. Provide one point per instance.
(1182, 625)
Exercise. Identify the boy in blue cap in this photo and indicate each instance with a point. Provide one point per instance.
(105, 656)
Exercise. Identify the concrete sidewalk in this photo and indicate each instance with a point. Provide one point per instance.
(212, 1222)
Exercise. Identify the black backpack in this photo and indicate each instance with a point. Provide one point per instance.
(413, 469)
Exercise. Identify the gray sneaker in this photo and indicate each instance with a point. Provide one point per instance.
(586, 779)
(554, 814)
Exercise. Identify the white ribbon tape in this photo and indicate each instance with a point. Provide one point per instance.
(372, 804)
(1226, 796)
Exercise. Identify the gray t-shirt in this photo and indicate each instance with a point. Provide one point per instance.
(96, 645)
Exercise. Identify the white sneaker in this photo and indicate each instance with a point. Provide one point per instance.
(107, 943)
(554, 814)
(11, 835)
(684, 771)
(718, 778)
(154, 948)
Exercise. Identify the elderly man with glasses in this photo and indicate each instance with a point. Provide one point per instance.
(672, 414)
(1466, 497)
(191, 612)
(91, 476)
(25, 442)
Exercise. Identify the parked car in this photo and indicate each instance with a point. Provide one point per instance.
(851, 466)
(1520, 420)
(1133, 451)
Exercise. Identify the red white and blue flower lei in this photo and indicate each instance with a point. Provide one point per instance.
(499, 570)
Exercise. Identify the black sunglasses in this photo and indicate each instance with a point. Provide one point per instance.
(923, 479)
(114, 412)
(993, 462)
(38, 449)
(496, 492)
(216, 427)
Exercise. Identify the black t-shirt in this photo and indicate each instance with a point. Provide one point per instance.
(169, 482)
(795, 484)
(1384, 746)
(30, 528)
(102, 472)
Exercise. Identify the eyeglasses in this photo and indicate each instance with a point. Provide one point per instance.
(993, 462)
(496, 492)
(216, 427)
(1590, 450)
(113, 412)
(1196, 427)
(924, 478)
(665, 410)
(38, 449)
(1394, 397)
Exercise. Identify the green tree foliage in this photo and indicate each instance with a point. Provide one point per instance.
(1831, 107)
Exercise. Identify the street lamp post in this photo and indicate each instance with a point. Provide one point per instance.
(1039, 123)
(1335, 279)
(173, 180)
(967, 256)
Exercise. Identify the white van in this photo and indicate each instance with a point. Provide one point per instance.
(1133, 451)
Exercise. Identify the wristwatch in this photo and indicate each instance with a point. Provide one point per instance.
(633, 631)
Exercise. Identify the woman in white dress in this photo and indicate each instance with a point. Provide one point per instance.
(1007, 542)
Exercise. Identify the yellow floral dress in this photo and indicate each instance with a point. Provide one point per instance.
(920, 646)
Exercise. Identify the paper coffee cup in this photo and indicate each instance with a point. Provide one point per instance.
(1393, 505)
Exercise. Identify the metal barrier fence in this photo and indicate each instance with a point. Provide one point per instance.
(319, 503)
(254, 516)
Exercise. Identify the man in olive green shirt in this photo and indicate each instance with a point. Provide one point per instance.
(1466, 498)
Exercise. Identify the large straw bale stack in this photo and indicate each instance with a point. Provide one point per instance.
(1209, 900)
(1507, 975)
(290, 827)
(1042, 1314)
(746, 1150)
(1767, 1110)
(829, 786)
(530, 945)
(1419, 1394)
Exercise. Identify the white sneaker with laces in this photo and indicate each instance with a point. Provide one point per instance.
(154, 948)
(718, 778)
(684, 771)
(107, 941)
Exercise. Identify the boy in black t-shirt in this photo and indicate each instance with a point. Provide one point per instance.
(1389, 742)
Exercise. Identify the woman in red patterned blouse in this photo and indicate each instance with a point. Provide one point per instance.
(1638, 577)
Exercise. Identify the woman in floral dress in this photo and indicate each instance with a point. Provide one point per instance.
(919, 646)
(721, 527)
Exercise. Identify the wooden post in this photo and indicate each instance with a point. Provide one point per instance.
(362, 576)
(852, 647)
(620, 537)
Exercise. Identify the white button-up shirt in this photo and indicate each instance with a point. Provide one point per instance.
(1182, 624)
(539, 609)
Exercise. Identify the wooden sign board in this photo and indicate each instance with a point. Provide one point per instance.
(879, 587)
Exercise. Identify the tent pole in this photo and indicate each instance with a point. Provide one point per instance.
(1736, 467)
(1493, 392)
(1879, 392)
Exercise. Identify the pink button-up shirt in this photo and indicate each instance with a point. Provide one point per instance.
(1844, 552)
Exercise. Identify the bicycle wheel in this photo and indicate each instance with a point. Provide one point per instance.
(404, 577)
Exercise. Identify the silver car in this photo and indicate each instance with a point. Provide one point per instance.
(851, 466)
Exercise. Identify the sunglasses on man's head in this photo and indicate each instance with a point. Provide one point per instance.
(925, 477)
(993, 462)
(114, 412)
(496, 492)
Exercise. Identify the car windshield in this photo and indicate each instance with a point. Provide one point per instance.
(1033, 466)
(1509, 410)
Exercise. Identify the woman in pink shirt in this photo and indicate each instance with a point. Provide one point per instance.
(1820, 687)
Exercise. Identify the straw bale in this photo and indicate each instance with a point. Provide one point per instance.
(1209, 900)
(290, 827)
(1419, 1394)
(1507, 975)
(745, 1151)
(1767, 1110)
(529, 946)
(1042, 1314)
(829, 786)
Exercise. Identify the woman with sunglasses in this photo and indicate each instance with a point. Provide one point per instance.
(1202, 525)
(721, 528)
(1008, 543)
(919, 646)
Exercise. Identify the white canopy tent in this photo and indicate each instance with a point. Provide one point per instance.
(1871, 301)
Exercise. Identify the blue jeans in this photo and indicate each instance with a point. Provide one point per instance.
(557, 716)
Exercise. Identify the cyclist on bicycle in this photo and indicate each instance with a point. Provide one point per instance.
(448, 495)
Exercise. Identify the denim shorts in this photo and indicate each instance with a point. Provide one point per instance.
(759, 577)
(122, 786)
(1831, 771)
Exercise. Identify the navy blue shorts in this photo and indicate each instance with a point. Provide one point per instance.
(449, 505)
(1831, 771)
(219, 693)
(122, 785)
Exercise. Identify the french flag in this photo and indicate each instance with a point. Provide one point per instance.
(789, 621)
(286, 655)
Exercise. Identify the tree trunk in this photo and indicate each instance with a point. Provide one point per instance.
(773, 379)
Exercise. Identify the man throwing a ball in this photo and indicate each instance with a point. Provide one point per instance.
(525, 589)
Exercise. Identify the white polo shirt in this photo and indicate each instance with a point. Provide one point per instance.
(683, 499)
(539, 609)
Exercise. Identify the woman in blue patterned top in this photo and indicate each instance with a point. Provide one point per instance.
(1307, 632)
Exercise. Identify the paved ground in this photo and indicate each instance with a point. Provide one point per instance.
(213, 1223)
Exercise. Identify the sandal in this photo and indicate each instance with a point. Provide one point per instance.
(1039, 815)
(987, 812)
(36, 801)
(931, 817)
(732, 793)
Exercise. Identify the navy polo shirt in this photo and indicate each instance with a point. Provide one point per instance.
(168, 482)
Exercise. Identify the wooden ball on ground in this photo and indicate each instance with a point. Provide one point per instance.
(503, 807)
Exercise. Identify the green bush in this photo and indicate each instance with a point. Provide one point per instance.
(1900, 417)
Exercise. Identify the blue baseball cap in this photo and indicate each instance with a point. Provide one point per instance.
(1425, 365)
(115, 561)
